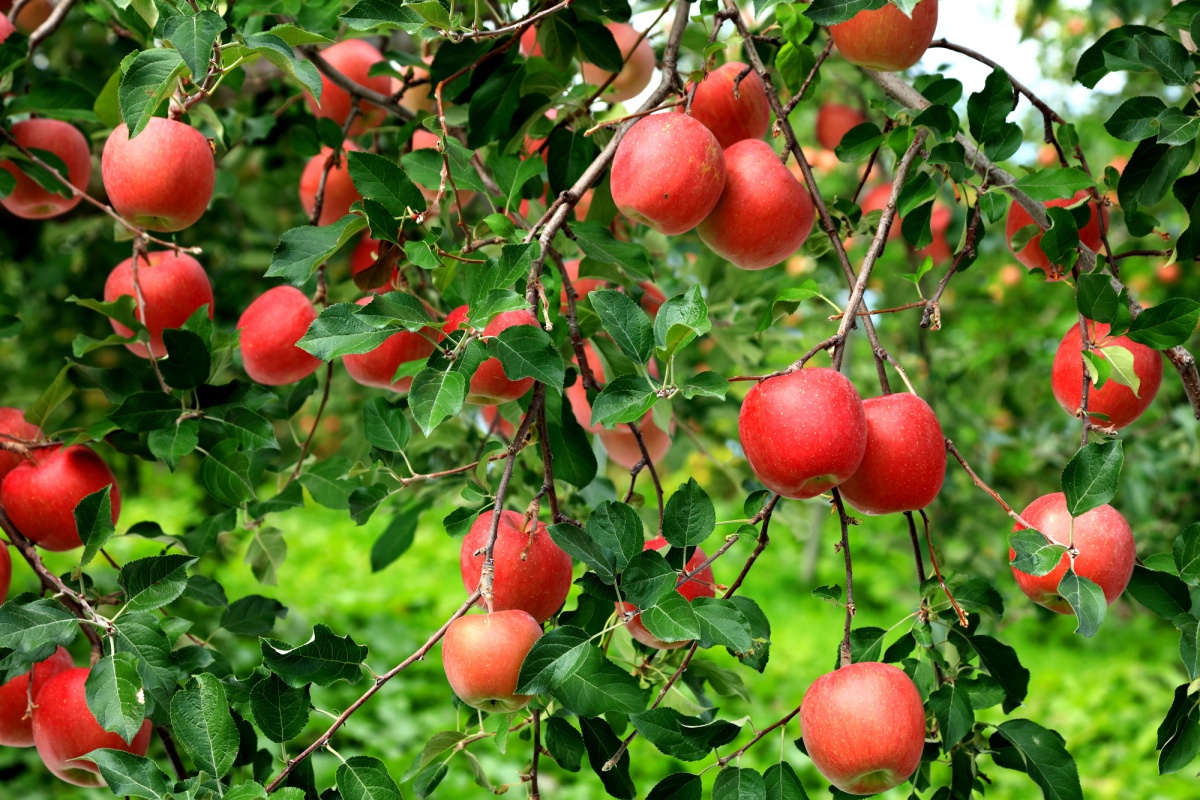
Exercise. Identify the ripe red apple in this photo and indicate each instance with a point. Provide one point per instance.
(1103, 539)
(490, 385)
(340, 193)
(354, 59)
(532, 573)
(378, 367)
(363, 258)
(482, 655)
(637, 72)
(174, 286)
(502, 427)
(764, 214)
(270, 328)
(40, 495)
(163, 178)
(732, 117)
(1170, 273)
(1032, 255)
(834, 121)
(64, 729)
(29, 200)
(6, 27)
(703, 585)
(13, 424)
(668, 173)
(583, 286)
(885, 39)
(905, 462)
(1115, 401)
(803, 433)
(16, 723)
(864, 727)
(529, 43)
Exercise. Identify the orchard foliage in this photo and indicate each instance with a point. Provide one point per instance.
(466, 179)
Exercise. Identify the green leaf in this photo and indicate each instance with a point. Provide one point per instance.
(51, 397)
(147, 81)
(1044, 757)
(673, 619)
(1034, 553)
(1059, 183)
(395, 308)
(130, 775)
(436, 396)
(689, 517)
(201, 722)
(146, 411)
(564, 743)
(279, 711)
(783, 783)
(141, 634)
(723, 624)
(859, 142)
(1086, 599)
(249, 429)
(525, 351)
(385, 425)
(253, 615)
(1096, 299)
(1091, 477)
(598, 242)
(574, 461)
(567, 665)
(1166, 325)
(1120, 366)
(94, 523)
(380, 179)
(678, 736)
(28, 626)
(265, 554)
(617, 528)
(625, 322)
(734, 783)
(831, 12)
(626, 399)
(366, 778)
(188, 362)
(582, 547)
(369, 14)
(324, 659)
(1135, 119)
(706, 384)
(153, 582)
(601, 743)
(1189, 643)
(952, 707)
(278, 51)
(647, 578)
(1186, 551)
(340, 330)
(326, 482)
(225, 474)
(1161, 592)
(1152, 51)
(301, 250)
(680, 320)
(193, 36)
(1179, 734)
(113, 691)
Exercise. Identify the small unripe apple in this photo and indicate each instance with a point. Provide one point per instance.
(163, 178)
(40, 495)
(764, 214)
(270, 328)
(1032, 255)
(490, 385)
(905, 461)
(582, 286)
(886, 40)
(1102, 537)
(340, 193)
(835, 120)
(864, 727)
(1115, 401)
(532, 573)
(803, 433)
(703, 585)
(29, 200)
(354, 59)
(637, 72)
(378, 367)
(64, 729)
(174, 286)
(12, 423)
(732, 115)
(668, 173)
(16, 723)
(482, 655)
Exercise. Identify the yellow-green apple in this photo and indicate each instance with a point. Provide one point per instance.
(887, 40)
(905, 461)
(668, 173)
(732, 115)
(482, 655)
(835, 120)
(354, 59)
(702, 585)
(40, 495)
(340, 193)
(16, 722)
(378, 367)
(1032, 255)
(174, 286)
(64, 729)
(365, 257)
(490, 385)
(803, 433)
(1101, 536)
(1117, 402)
(14, 426)
(864, 727)
(163, 178)
(639, 65)
(532, 573)
(270, 328)
(764, 214)
(28, 200)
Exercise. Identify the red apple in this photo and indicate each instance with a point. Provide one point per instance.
(163, 178)
(864, 727)
(29, 200)
(490, 385)
(764, 214)
(732, 116)
(340, 193)
(886, 40)
(174, 286)
(13, 424)
(1032, 255)
(583, 286)
(64, 729)
(354, 59)
(482, 655)
(529, 43)
(668, 173)
(378, 367)
(703, 585)
(502, 427)
(877, 200)
(270, 328)
(40, 495)
(1170, 273)
(32, 14)
(637, 72)
(532, 573)
(905, 462)
(834, 121)
(6, 27)
(1102, 537)
(1115, 401)
(16, 723)
(803, 433)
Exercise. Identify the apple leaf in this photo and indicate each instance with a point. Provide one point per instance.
(1167, 324)
(131, 775)
(94, 523)
(526, 351)
(690, 516)
(1091, 477)
(1086, 599)
(148, 78)
(682, 737)
(1024, 745)
(1161, 592)
(625, 322)
(113, 691)
(366, 778)
(1121, 365)
(626, 399)
(324, 659)
(1033, 553)
(565, 664)
(279, 711)
(735, 783)
(201, 721)
(951, 705)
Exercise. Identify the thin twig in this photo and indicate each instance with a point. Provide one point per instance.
(845, 657)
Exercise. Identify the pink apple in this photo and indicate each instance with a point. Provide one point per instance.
(340, 193)
(1032, 255)
(490, 385)
(532, 573)
(1115, 401)
(354, 59)
(886, 39)
(482, 655)
(40, 495)
(905, 462)
(378, 367)
(270, 328)
(834, 121)
(732, 116)
(16, 722)
(703, 585)
(163, 178)
(637, 72)
(174, 286)
(13, 424)
(29, 200)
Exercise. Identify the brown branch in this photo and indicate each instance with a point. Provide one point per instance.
(386, 102)
(534, 794)
(950, 448)
(932, 318)
(812, 74)
(658, 490)
(139, 252)
(758, 737)
(519, 27)
(304, 450)
(547, 464)
(916, 543)
(877, 312)
(844, 657)
(52, 23)
(168, 743)
(962, 617)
